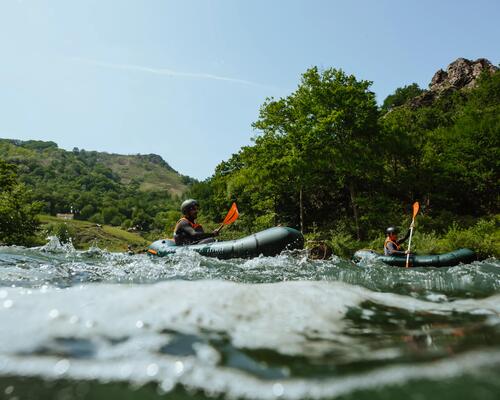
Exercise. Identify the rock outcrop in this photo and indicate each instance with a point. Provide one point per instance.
(460, 74)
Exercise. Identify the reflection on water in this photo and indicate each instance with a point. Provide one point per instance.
(99, 325)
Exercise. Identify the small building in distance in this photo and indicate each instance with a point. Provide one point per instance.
(65, 216)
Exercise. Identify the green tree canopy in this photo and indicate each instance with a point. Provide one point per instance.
(310, 164)
(401, 96)
(18, 222)
(325, 158)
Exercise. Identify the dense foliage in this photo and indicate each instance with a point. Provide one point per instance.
(327, 159)
(316, 154)
(18, 222)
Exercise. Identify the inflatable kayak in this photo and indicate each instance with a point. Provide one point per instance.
(431, 260)
(268, 243)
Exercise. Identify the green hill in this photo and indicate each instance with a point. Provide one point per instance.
(149, 172)
(127, 190)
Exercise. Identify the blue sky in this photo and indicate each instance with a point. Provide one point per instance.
(185, 79)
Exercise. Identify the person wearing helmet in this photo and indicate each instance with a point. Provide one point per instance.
(392, 245)
(187, 231)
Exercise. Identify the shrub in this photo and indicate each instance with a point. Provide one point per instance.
(342, 243)
(116, 221)
(97, 218)
(126, 224)
(484, 237)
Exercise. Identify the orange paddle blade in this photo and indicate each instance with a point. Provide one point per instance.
(232, 215)
(416, 207)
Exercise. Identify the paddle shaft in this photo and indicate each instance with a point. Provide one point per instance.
(409, 245)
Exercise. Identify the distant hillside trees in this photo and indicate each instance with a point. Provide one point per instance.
(79, 181)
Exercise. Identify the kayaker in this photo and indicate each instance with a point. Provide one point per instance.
(392, 245)
(187, 231)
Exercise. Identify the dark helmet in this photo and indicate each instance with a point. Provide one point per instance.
(391, 229)
(188, 205)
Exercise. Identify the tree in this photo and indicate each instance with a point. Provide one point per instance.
(18, 222)
(401, 96)
(87, 211)
(465, 156)
(328, 128)
(109, 214)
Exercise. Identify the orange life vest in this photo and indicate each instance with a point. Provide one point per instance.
(388, 240)
(193, 225)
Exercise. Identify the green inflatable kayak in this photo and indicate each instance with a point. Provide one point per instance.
(270, 242)
(431, 260)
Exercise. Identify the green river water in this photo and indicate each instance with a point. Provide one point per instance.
(98, 325)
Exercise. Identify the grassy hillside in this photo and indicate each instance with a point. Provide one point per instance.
(150, 172)
(85, 234)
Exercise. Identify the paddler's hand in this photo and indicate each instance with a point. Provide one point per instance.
(216, 232)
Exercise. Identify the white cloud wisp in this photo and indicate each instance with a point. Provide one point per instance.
(165, 71)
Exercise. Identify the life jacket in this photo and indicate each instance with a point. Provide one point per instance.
(196, 227)
(181, 238)
(386, 249)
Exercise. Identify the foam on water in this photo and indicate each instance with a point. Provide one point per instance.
(117, 332)
(36, 267)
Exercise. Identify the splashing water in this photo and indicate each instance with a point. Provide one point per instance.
(96, 324)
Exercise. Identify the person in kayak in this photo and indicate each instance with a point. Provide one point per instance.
(392, 245)
(187, 231)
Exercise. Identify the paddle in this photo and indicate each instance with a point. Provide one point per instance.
(231, 216)
(416, 206)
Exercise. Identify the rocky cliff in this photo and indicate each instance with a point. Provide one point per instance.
(460, 74)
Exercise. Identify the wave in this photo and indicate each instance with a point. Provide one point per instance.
(289, 339)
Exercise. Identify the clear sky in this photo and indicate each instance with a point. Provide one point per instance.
(185, 79)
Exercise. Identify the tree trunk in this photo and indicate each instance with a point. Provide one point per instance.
(301, 206)
(354, 210)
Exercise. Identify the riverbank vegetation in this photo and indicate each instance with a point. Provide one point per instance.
(327, 160)
(483, 237)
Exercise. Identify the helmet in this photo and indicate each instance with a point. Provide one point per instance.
(391, 229)
(188, 205)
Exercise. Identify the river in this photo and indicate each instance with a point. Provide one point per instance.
(98, 325)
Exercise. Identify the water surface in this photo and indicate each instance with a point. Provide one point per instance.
(99, 325)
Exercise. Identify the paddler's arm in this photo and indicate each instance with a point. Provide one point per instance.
(402, 240)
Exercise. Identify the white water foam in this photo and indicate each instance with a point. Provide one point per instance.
(277, 316)
(168, 372)
(54, 245)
